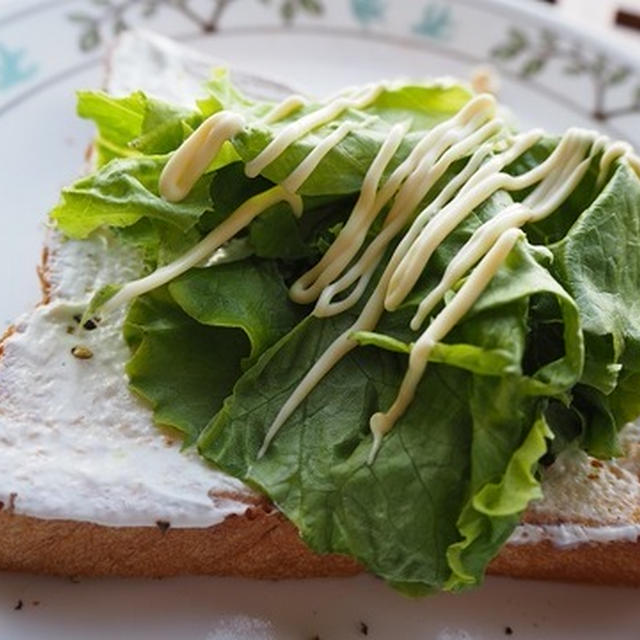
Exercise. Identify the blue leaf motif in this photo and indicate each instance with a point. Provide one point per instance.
(368, 11)
(13, 68)
(436, 22)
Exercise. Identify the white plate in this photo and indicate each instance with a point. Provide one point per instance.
(551, 76)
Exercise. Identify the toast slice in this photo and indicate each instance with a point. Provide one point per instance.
(90, 486)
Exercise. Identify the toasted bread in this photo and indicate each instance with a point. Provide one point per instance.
(83, 469)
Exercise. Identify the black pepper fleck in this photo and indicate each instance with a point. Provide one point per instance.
(163, 525)
(91, 324)
(18, 606)
(364, 628)
(508, 631)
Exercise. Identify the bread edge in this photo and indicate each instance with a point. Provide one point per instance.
(263, 544)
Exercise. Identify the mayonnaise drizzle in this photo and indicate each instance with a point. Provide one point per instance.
(226, 230)
(442, 146)
(295, 130)
(284, 109)
(471, 290)
(440, 222)
(474, 133)
(421, 170)
(300, 174)
(550, 193)
(193, 157)
(489, 245)
(190, 161)
(436, 231)
(348, 242)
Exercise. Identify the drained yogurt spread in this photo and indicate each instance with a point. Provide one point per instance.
(75, 443)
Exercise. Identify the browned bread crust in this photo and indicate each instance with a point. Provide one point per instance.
(614, 563)
(259, 544)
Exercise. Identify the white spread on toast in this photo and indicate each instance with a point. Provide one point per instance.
(76, 444)
(571, 535)
(588, 500)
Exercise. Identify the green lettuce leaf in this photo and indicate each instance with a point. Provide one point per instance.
(316, 471)
(448, 447)
(495, 362)
(341, 171)
(599, 264)
(121, 193)
(165, 340)
(190, 339)
(248, 295)
(135, 132)
(494, 508)
(275, 233)
(118, 120)
(135, 124)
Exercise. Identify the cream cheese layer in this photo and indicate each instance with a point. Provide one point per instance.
(75, 442)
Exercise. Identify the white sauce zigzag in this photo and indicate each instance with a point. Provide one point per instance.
(475, 132)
